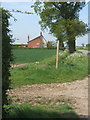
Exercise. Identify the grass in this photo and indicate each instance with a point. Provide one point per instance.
(27, 55)
(29, 111)
(71, 67)
(83, 48)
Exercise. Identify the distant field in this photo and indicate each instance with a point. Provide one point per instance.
(27, 55)
(83, 48)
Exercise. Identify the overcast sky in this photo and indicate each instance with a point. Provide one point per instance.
(28, 24)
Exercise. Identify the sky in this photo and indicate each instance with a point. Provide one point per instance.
(29, 24)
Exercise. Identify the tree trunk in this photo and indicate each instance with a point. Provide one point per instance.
(71, 45)
(61, 45)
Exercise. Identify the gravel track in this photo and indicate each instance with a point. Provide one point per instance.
(74, 93)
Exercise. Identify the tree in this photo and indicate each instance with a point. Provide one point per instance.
(58, 30)
(51, 14)
(74, 28)
(68, 30)
(6, 56)
(49, 44)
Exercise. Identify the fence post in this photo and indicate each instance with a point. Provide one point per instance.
(57, 53)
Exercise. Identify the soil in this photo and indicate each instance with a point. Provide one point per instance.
(17, 65)
(73, 93)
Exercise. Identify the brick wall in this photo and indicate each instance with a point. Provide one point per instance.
(36, 43)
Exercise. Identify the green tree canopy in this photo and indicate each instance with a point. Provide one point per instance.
(62, 20)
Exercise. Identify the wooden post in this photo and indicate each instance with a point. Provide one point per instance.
(57, 53)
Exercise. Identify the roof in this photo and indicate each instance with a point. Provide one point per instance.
(18, 44)
(34, 39)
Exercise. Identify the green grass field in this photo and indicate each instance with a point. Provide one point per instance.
(45, 111)
(27, 55)
(71, 68)
(83, 48)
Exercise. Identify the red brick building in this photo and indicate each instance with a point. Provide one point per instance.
(38, 42)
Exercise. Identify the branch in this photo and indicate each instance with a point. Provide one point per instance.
(56, 6)
(18, 11)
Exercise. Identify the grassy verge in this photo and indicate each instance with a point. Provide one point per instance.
(71, 67)
(29, 111)
(27, 55)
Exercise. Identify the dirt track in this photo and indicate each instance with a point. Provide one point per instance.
(73, 93)
(18, 65)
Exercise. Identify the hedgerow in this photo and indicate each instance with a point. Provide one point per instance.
(6, 57)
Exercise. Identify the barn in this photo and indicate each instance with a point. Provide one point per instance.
(38, 42)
